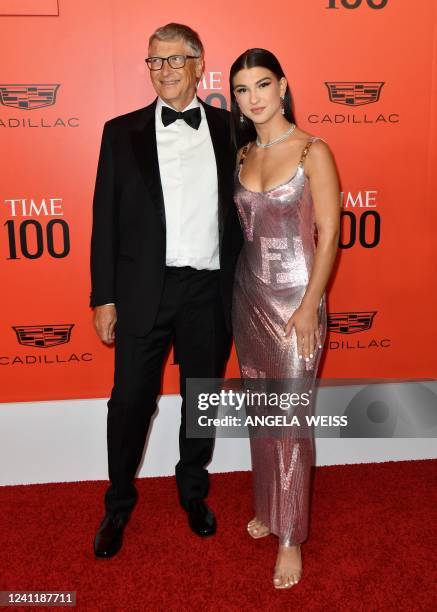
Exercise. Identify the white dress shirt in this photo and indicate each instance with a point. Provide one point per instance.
(188, 172)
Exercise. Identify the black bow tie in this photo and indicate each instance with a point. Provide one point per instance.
(191, 116)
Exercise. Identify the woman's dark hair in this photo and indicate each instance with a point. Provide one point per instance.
(242, 133)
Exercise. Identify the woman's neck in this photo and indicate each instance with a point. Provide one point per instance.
(274, 128)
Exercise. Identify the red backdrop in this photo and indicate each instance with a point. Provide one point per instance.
(363, 77)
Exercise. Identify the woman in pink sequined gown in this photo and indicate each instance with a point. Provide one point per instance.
(285, 187)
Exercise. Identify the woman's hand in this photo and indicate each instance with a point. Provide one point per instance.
(306, 325)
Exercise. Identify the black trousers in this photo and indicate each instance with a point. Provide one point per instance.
(191, 316)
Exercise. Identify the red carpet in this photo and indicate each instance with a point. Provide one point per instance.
(372, 545)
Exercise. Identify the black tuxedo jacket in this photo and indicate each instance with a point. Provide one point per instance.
(128, 243)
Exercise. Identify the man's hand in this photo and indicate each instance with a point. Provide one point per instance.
(104, 322)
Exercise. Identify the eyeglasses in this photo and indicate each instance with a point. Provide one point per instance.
(175, 61)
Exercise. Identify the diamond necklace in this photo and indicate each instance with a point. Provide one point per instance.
(280, 139)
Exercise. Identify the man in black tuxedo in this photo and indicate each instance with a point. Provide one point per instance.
(164, 246)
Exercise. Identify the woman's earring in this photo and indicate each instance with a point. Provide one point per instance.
(282, 105)
(241, 117)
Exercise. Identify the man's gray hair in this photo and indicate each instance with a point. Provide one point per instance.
(174, 31)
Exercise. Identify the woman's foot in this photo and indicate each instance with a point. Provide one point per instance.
(257, 529)
(288, 569)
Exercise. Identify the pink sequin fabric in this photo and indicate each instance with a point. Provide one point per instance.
(270, 281)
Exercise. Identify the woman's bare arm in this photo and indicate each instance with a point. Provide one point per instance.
(321, 171)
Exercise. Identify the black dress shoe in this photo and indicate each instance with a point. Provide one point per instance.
(200, 518)
(109, 537)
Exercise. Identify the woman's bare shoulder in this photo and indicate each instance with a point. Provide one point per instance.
(319, 157)
(305, 137)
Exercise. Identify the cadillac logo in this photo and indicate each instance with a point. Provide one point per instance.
(354, 94)
(350, 322)
(43, 336)
(28, 97)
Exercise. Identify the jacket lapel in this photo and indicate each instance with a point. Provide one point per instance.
(220, 142)
(146, 154)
